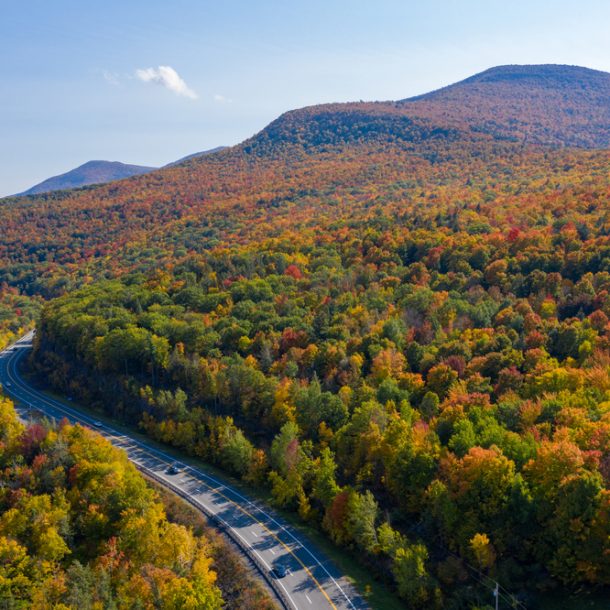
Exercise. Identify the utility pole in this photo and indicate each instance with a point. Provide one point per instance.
(497, 594)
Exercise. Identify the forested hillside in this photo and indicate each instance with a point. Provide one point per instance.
(79, 528)
(392, 315)
(430, 386)
(548, 104)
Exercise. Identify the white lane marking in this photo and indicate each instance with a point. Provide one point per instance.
(296, 540)
(112, 434)
(257, 554)
(272, 551)
(255, 533)
(307, 596)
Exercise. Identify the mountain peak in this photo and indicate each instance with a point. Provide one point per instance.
(91, 172)
(548, 104)
(554, 76)
(551, 72)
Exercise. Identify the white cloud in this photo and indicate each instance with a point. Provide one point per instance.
(168, 78)
(221, 99)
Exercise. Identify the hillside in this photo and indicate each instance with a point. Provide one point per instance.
(546, 104)
(302, 170)
(92, 172)
(415, 361)
(79, 528)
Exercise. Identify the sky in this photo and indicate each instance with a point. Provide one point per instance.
(150, 81)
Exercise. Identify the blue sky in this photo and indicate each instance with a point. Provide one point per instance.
(81, 80)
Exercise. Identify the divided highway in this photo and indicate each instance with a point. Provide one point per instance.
(301, 576)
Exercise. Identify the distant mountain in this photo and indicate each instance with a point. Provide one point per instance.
(550, 105)
(100, 172)
(540, 104)
(553, 105)
(196, 155)
(92, 172)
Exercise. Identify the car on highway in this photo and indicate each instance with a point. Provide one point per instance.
(173, 468)
(280, 570)
(98, 424)
(8, 384)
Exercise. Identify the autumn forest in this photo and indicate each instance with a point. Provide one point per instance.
(393, 317)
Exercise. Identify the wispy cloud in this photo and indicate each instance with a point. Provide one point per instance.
(221, 99)
(167, 77)
(110, 77)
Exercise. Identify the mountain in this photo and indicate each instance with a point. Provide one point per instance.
(92, 172)
(100, 172)
(550, 105)
(295, 167)
(541, 104)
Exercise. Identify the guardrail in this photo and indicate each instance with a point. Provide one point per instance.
(222, 525)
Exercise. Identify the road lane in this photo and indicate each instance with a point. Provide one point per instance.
(311, 580)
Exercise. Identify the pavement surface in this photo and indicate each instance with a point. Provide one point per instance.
(299, 573)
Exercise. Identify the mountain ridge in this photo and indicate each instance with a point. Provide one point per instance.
(534, 104)
(96, 172)
(91, 172)
(548, 104)
(516, 72)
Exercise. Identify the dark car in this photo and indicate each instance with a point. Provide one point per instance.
(280, 570)
(173, 469)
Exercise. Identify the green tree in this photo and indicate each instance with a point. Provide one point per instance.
(325, 486)
(362, 510)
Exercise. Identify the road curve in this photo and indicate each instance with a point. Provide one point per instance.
(311, 583)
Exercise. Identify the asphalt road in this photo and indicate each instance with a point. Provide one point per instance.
(311, 581)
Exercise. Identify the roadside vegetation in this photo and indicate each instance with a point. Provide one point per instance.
(81, 529)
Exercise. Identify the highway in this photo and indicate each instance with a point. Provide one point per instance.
(311, 581)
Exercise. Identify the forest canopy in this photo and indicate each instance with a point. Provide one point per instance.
(436, 399)
(79, 528)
